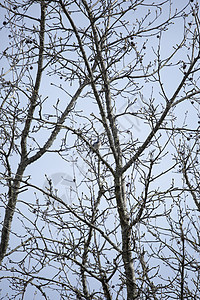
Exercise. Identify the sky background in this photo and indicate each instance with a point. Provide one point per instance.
(62, 172)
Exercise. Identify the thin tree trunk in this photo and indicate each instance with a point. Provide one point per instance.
(13, 193)
(14, 187)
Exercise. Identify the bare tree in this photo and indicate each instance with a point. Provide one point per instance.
(123, 74)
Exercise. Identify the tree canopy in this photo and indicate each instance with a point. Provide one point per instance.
(99, 149)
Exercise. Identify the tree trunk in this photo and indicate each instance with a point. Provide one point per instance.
(126, 238)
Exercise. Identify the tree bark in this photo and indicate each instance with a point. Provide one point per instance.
(126, 239)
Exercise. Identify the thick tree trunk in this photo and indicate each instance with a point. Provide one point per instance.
(126, 239)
